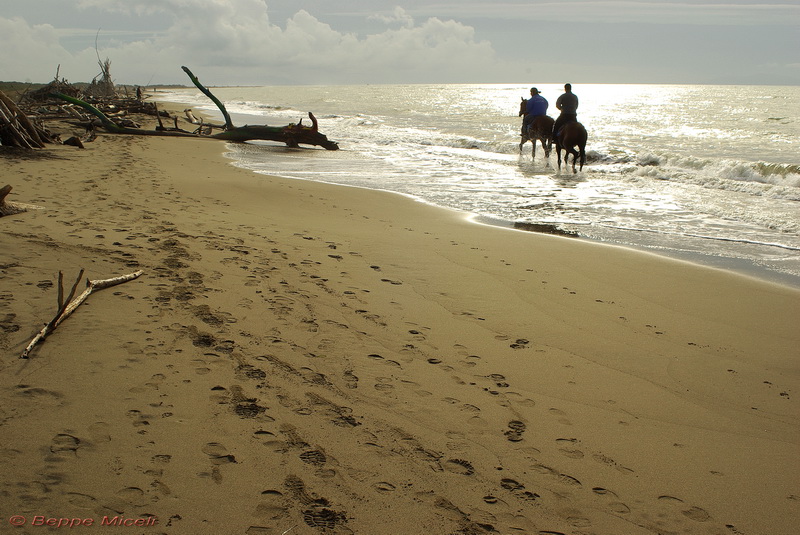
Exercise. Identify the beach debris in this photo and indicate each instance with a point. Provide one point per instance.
(209, 94)
(16, 129)
(293, 135)
(9, 208)
(67, 306)
(22, 122)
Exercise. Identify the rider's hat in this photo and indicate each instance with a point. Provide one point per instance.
(534, 90)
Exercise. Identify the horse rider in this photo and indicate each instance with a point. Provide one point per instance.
(534, 107)
(568, 105)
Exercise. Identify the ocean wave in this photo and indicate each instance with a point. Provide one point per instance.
(778, 180)
(250, 106)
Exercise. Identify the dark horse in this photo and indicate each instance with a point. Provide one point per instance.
(540, 129)
(570, 136)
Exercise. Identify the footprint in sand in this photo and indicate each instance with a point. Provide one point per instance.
(562, 416)
(83, 501)
(139, 419)
(470, 361)
(351, 379)
(568, 449)
(459, 466)
(612, 501)
(515, 430)
(518, 489)
(691, 512)
(603, 459)
(318, 513)
(384, 384)
(521, 343)
(63, 442)
(384, 486)
(314, 457)
(134, 496)
(499, 380)
(217, 453)
(273, 506)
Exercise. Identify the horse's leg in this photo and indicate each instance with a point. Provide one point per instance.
(558, 156)
(583, 155)
(546, 150)
(547, 145)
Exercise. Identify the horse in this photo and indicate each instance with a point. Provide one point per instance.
(571, 135)
(540, 129)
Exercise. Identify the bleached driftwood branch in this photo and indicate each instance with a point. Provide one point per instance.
(68, 306)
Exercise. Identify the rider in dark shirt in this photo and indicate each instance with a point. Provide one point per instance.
(535, 106)
(568, 105)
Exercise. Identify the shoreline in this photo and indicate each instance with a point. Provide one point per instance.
(739, 266)
(304, 356)
(735, 261)
(731, 264)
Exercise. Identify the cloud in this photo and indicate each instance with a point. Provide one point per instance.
(398, 15)
(22, 41)
(258, 42)
(234, 42)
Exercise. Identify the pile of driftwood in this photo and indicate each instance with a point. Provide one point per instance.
(17, 129)
(22, 122)
(292, 135)
(23, 129)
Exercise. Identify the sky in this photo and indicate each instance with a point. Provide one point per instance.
(324, 42)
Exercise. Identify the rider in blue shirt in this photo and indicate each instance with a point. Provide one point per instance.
(535, 106)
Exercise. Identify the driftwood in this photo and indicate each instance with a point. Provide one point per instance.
(67, 306)
(292, 135)
(215, 100)
(16, 129)
(9, 208)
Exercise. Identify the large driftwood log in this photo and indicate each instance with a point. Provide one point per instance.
(68, 306)
(292, 135)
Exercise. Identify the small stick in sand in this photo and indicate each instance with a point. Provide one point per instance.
(68, 306)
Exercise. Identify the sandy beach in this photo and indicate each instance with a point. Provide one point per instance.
(305, 358)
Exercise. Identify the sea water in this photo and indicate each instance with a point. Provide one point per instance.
(705, 173)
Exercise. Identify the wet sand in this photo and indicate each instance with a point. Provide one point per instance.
(322, 359)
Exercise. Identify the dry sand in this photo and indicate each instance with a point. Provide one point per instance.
(304, 358)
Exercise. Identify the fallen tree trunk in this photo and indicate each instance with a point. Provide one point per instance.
(292, 135)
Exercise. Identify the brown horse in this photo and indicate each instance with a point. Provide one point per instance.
(571, 135)
(540, 129)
